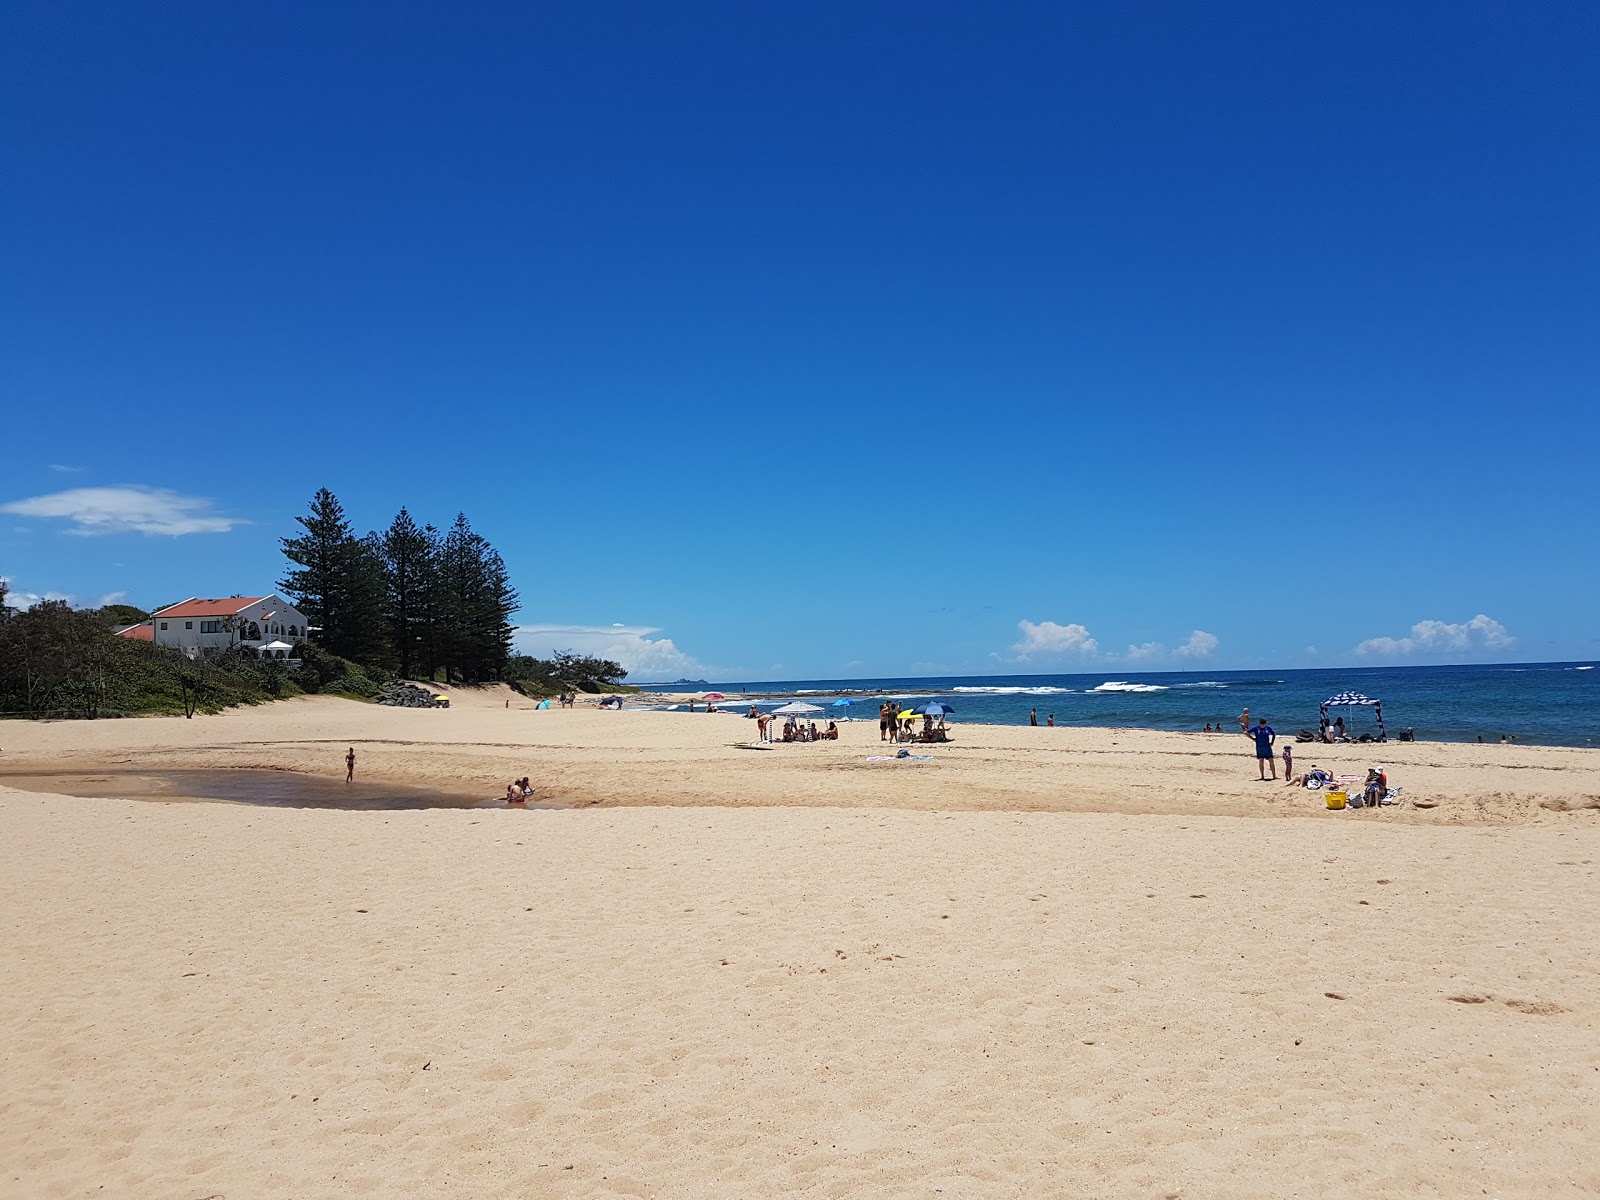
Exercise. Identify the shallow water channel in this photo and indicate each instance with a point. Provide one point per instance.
(272, 789)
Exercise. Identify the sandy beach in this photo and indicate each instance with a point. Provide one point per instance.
(1042, 962)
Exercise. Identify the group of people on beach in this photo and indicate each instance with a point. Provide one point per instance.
(793, 731)
(519, 792)
(892, 727)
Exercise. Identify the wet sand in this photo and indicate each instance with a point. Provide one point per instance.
(246, 785)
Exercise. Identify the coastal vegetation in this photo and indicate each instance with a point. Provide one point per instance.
(565, 672)
(58, 661)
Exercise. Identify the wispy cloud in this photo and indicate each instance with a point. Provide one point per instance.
(65, 470)
(1047, 638)
(1441, 638)
(125, 509)
(645, 657)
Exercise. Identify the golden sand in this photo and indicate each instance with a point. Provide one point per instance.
(1046, 962)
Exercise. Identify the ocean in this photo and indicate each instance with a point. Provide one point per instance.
(1539, 703)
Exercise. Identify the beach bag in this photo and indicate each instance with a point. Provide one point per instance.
(1336, 799)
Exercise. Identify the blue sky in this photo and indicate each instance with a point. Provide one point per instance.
(833, 340)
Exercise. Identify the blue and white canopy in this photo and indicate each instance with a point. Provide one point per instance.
(1354, 698)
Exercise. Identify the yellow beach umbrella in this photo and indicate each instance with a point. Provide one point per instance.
(907, 715)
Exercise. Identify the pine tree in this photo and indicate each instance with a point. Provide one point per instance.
(339, 583)
(409, 564)
(477, 600)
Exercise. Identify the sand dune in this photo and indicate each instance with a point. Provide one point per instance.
(919, 990)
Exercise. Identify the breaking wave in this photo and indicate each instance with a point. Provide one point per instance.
(1117, 685)
(1015, 691)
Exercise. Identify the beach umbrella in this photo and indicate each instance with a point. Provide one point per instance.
(714, 696)
(844, 702)
(908, 714)
(797, 707)
(933, 708)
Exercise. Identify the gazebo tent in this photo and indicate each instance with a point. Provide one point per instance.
(1355, 698)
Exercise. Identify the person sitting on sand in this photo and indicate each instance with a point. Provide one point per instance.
(1207, 729)
(514, 794)
(1376, 787)
(1314, 776)
(526, 786)
(833, 732)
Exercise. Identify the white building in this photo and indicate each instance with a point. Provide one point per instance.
(269, 625)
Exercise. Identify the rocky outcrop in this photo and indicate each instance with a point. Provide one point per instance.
(409, 695)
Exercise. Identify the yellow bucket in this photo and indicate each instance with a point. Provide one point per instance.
(1337, 799)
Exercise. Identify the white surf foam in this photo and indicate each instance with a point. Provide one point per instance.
(1015, 691)
(1117, 685)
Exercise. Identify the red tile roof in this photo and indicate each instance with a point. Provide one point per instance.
(139, 633)
(196, 607)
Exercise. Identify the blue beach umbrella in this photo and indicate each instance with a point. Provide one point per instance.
(844, 702)
(933, 708)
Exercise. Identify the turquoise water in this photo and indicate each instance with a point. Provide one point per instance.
(1538, 703)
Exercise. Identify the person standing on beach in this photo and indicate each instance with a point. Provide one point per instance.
(1244, 721)
(1288, 761)
(350, 765)
(1051, 721)
(1264, 737)
(1033, 716)
(883, 722)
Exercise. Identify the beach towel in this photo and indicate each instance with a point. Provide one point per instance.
(899, 758)
(749, 746)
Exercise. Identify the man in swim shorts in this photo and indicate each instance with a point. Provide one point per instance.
(883, 721)
(1265, 737)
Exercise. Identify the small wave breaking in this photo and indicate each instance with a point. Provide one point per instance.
(1118, 685)
(1015, 691)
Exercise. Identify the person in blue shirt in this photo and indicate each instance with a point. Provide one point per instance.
(1264, 736)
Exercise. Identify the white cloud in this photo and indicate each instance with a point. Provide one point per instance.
(126, 509)
(645, 658)
(1441, 638)
(1049, 638)
(1199, 645)
(65, 470)
(19, 599)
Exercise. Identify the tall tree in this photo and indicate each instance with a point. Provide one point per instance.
(338, 583)
(477, 600)
(409, 562)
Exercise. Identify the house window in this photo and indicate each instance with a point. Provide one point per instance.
(163, 624)
(293, 632)
(210, 626)
(188, 624)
